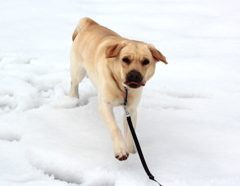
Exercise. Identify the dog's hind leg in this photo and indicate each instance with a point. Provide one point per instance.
(78, 73)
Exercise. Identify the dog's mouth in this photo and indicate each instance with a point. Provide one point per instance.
(134, 84)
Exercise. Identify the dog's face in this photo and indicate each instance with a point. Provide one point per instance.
(134, 62)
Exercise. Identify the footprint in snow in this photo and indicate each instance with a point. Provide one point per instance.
(10, 137)
(189, 95)
(54, 165)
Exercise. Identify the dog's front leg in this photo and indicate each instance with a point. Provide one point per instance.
(106, 111)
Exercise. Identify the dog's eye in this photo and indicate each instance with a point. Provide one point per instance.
(126, 60)
(145, 62)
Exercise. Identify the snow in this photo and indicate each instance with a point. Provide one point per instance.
(189, 115)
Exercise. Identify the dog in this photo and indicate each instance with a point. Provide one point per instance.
(112, 64)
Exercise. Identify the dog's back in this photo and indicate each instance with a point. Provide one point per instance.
(88, 26)
(83, 23)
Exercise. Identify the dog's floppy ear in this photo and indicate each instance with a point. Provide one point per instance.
(113, 50)
(157, 55)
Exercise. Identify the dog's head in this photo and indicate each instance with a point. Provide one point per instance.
(134, 61)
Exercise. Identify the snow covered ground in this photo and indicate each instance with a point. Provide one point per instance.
(189, 115)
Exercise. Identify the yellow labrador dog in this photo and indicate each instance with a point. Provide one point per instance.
(112, 63)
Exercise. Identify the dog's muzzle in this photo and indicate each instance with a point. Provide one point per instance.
(134, 79)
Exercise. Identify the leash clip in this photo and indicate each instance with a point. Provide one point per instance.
(126, 111)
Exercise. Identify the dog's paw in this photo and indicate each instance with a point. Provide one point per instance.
(120, 153)
(122, 156)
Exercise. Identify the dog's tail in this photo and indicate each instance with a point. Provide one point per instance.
(84, 22)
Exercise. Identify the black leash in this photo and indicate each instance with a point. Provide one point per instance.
(151, 177)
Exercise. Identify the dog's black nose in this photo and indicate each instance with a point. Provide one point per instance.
(134, 76)
(134, 79)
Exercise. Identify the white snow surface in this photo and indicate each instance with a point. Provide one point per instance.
(189, 115)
